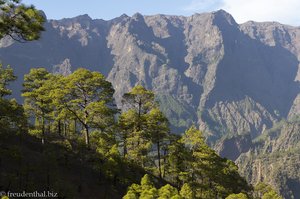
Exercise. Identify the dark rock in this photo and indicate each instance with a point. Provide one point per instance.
(233, 147)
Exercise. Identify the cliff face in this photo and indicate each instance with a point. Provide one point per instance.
(274, 158)
(234, 81)
(225, 77)
(233, 147)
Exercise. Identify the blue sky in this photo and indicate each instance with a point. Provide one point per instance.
(284, 11)
(108, 9)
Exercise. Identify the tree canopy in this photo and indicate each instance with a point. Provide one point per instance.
(77, 120)
(19, 21)
(82, 106)
(6, 76)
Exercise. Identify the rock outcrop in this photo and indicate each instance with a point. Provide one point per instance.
(225, 77)
(235, 81)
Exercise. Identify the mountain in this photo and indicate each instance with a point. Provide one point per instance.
(235, 81)
(225, 77)
(274, 157)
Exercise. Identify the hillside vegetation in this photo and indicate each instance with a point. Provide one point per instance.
(70, 138)
(84, 134)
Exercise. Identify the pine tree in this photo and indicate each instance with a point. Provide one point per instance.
(12, 116)
(158, 133)
(126, 123)
(187, 192)
(37, 100)
(89, 98)
(139, 99)
(136, 104)
(178, 160)
(20, 22)
(6, 76)
(168, 191)
(265, 191)
(210, 175)
(146, 190)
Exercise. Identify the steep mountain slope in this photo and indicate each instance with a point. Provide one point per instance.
(227, 78)
(234, 81)
(61, 166)
(274, 158)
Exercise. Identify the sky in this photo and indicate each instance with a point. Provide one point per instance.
(283, 11)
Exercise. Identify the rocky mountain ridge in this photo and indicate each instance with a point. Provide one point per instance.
(235, 81)
(225, 77)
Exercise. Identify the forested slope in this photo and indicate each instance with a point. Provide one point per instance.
(233, 82)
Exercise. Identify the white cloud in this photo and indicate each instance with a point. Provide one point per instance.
(283, 11)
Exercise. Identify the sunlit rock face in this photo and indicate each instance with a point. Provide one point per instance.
(206, 69)
(234, 81)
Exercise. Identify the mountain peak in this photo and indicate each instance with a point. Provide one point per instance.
(84, 17)
(138, 16)
(221, 11)
(124, 15)
(221, 15)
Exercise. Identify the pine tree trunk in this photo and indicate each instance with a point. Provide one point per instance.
(158, 156)
(86, 134)
(59, 127)
(125, 148)
(43, 130)
(65, 129)
(75, 126)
